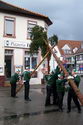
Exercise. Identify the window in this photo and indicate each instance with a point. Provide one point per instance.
(30, 61)
(9, 28)
(34, 62)
(66, 51)
(31, 24)
(8, 52)
(27, 62)
(69, 60)
(78, 58)
(77, 67)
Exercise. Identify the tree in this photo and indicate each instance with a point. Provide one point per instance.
(38, 37)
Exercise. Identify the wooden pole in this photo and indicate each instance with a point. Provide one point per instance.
(18, 89)
(71, 82)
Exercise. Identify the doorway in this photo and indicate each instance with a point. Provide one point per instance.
(8, 66)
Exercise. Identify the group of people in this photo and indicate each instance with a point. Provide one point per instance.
(56, 83)
(56, 87)
(26, 78)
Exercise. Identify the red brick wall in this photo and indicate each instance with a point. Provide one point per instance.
(2, 80)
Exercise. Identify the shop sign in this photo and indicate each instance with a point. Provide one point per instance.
(19, 68)
(8, 43)
(81, 67)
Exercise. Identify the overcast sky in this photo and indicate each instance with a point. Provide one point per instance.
(66, 15)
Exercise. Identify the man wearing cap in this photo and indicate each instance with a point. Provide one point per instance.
(26, 75)
(72, 94)
(60, 87)
(13, 80)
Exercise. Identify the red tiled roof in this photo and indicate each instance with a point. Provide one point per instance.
(4, 6)
(72, 44)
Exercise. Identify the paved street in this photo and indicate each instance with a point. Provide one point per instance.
(20, 112)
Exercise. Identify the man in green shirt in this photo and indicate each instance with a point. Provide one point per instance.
(47, 79)
(26, 75)
(60, 88)
(72, 94)
(13, 80)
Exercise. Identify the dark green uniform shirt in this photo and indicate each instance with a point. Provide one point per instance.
(47, 79)
(51, 78)
(26, 76)
(60, 85)
(14, 78)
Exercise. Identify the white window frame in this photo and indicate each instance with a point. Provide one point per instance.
(12, 31)
(30, 25)
(27, 55)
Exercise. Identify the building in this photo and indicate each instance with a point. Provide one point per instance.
(79, 61)
(15, 27)
(66, 50)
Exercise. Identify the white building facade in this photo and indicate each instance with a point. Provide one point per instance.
(15, 27)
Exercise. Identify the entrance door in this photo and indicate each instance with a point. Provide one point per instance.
(8, 60)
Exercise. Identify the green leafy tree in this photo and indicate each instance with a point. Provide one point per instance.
(38, 38)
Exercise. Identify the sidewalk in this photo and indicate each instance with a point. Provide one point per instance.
(20, 112)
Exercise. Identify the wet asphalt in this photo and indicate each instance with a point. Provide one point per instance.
(17, 111)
